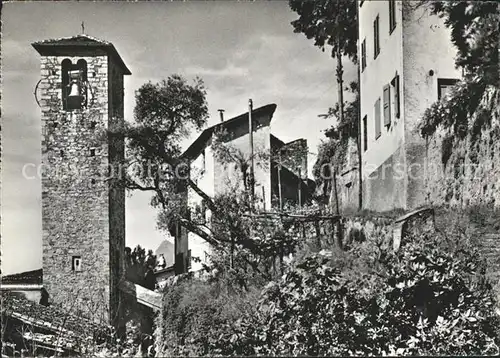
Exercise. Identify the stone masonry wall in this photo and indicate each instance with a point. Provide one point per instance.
(468, 186)
(471, 175)
(348, 181)
(116, 191)
(75, 202)
(294, 157)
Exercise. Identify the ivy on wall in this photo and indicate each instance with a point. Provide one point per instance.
(474, 29)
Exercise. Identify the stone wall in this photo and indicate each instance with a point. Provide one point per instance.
(116, 191)
(471, 174)
(348, 181)
(81, 215)
(294, 157)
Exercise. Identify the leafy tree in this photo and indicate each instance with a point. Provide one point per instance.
(332, 151)
(430, 298)
(165, 113)
(139, 267)
(475, 33)
(474, 29)
(329, 23)
(138, 264)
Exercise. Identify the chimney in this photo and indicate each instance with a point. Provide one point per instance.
(221, 112)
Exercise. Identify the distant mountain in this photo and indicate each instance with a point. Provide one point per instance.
(28, 277)
(166, 248)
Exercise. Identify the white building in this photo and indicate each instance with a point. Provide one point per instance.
(406, 63)
(215, 175)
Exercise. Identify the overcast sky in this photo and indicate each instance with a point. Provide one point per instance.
(241, 50)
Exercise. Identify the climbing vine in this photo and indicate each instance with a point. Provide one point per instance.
(453, 112)
(474, 32)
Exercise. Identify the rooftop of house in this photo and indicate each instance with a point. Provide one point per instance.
(165, 270)
(62, 330)
(79, 45)
(203, 139)
(33, 277)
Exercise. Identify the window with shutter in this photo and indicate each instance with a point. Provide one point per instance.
(376, 38)
(395, 89)
(378, 130)
(387, 105)
(392, 15)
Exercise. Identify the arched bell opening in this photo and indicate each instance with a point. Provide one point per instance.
(74, 84)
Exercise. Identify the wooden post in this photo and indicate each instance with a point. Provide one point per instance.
(264, 197)
(335, 192)
(318, 233)
(300, 189)
(337, 233)
(231, 257)
(360, 151)
(279, 182)
(250, 135)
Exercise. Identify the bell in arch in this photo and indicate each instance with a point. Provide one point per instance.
(74, 89)
(75, 98)
(74, 83)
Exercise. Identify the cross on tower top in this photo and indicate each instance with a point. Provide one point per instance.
(83, 28)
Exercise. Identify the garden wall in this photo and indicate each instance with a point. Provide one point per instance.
(464, 173)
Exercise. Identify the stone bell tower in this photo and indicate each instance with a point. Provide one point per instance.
(80, 93)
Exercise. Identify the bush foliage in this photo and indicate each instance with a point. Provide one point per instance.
(431, 297)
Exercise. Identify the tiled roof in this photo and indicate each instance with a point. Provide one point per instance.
(51, 318)
(202, 140)
(28, 277)
(65, 45)
(74, 40)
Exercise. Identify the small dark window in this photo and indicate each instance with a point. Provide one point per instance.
(392, 15)
(376, 37)
(92, 152)
(92, 181)
(76, 263)
(365, 133)
(93, 124)
(54, 125)
(61, 152)
(363, 55)
(445, 85)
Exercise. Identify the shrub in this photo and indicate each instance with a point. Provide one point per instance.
(429, 298)
(198, 316)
